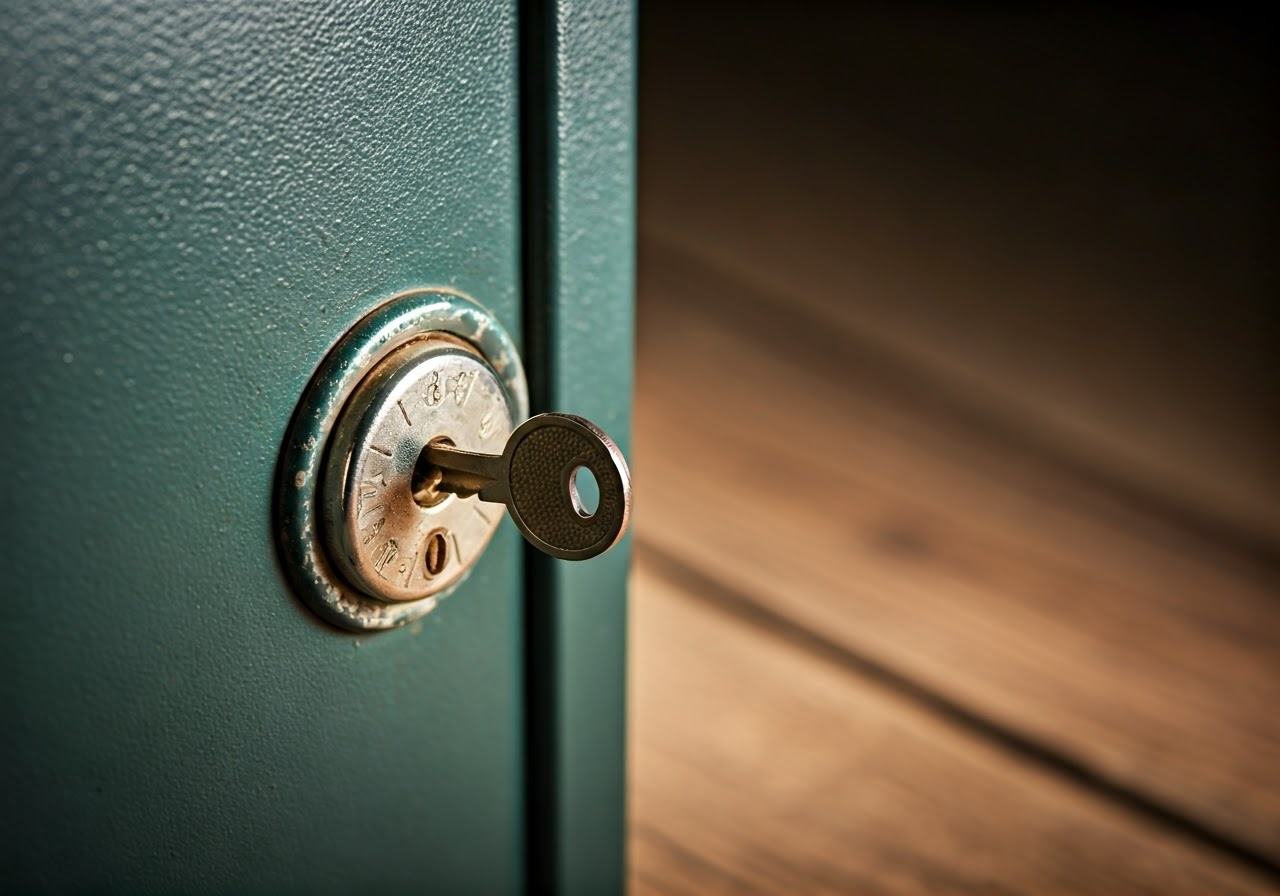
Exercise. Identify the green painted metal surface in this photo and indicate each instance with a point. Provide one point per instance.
(196, 200)
(580, 165)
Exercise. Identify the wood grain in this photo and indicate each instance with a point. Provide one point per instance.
(779, 460)
(1084, 250)
(759, 767)
(956, 452)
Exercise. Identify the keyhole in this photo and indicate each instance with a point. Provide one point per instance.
(437, 553)
(426, 478)
(584, 492)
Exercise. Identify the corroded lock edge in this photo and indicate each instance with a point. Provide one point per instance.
(391, 325)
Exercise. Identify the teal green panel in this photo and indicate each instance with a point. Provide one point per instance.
(196, 200)
(589, 283)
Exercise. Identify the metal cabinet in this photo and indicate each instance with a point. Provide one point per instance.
(197, 201)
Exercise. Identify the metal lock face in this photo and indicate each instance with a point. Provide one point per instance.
(367, 546)
(392, 537)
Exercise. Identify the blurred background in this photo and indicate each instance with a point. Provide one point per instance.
(958, 557)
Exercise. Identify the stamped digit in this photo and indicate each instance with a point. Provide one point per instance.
(388, 552)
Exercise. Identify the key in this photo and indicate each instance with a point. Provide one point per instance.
(536, 478)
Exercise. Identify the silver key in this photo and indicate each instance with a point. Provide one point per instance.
(536, 477)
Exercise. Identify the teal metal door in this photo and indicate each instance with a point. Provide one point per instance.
(197, 201)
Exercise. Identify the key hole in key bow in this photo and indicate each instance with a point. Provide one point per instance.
(584, 491)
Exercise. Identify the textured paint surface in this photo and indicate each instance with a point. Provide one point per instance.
(195, 202)
(590, 335)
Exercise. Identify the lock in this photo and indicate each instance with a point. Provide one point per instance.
(390, 534)
(404, 451)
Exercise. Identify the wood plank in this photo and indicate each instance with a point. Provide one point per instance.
(760, 768)
(1082, 249)
(774, 455)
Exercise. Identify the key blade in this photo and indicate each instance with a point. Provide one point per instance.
(463, 473)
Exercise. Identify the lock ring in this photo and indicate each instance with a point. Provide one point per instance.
(386, 328)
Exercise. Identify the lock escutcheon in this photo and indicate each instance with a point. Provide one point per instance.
(317, 548)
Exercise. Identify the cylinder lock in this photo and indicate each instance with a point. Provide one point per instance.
(404, 451)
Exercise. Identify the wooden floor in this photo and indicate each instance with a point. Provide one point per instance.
(894, 630)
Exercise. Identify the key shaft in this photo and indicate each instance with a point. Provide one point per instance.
(464, 473)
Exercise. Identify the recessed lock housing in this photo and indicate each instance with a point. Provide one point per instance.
(403, 452)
